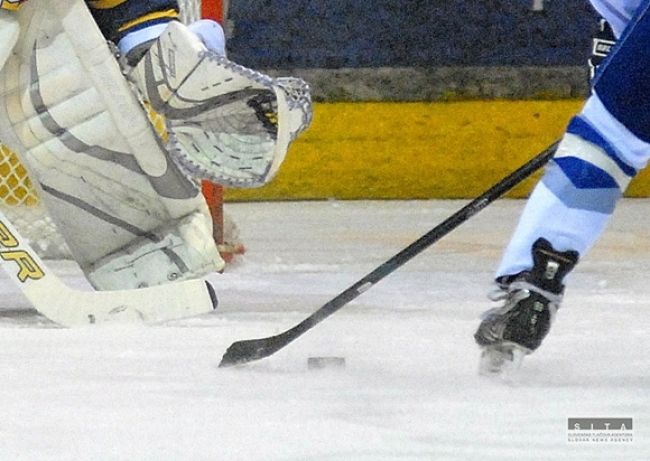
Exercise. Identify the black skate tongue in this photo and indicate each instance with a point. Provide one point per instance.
(551, 266)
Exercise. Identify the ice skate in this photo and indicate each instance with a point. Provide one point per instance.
(501, 359)
(530, 300)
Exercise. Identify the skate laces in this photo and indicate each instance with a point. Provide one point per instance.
(509, 298)
(517, 291)
(554, 299)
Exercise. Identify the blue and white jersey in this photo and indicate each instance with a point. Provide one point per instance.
(617, 12)
(604, 146)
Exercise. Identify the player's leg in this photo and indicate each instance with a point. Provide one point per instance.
(603, 148)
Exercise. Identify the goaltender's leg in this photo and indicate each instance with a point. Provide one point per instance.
(603, 148)
(130, 216)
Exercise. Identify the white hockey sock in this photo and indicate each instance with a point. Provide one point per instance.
(546, 216)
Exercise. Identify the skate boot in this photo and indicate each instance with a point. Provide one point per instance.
(531, 299)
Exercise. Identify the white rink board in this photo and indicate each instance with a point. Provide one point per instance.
(409, 390)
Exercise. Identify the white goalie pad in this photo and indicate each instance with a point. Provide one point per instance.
(70, 307)
(9, 30)
(227, 123)
(102, 171)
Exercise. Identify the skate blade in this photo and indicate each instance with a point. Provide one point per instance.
(502, 360)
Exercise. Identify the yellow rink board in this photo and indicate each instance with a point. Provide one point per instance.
(418, 150)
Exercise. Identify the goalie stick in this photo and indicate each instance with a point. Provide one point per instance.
(241, 352)
(69, 307)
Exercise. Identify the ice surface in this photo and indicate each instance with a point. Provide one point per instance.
(410, 389)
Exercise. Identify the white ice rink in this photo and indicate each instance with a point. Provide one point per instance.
(410, 390)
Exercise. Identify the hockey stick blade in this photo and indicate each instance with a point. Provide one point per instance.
(245, 351)
(68, 307)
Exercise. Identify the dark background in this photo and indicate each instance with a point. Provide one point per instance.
(412, 33)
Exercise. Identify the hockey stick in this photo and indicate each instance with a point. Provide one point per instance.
(69, 307)
(245, 351)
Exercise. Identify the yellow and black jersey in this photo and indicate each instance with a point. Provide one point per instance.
(10, 4)
(118, 17)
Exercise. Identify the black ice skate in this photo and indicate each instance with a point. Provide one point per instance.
(531, 299)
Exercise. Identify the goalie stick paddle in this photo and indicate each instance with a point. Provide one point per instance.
(68, 307)
(241, 352)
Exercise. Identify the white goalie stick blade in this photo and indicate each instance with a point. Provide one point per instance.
(69, 307)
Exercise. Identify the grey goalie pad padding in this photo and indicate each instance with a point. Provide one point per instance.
(227, 123)
(80, 130)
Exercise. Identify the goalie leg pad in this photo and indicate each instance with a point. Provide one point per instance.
(100, 168)
(227, 123)
(178, 252)
(9, 30)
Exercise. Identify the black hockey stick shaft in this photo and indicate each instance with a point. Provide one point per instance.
(245, 351)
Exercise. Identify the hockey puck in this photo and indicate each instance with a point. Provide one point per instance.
(319, 363)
